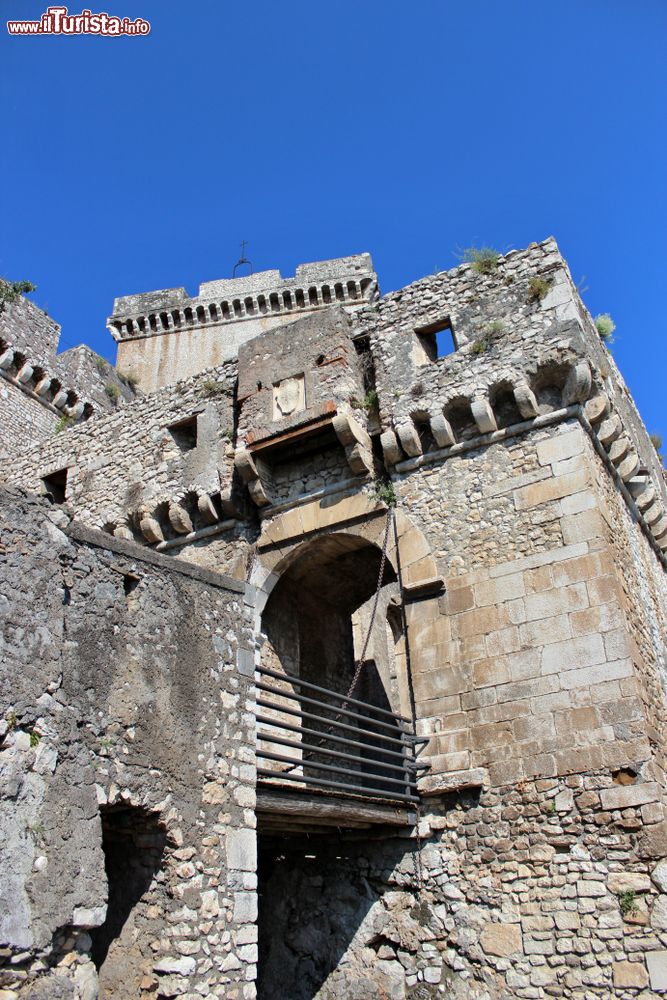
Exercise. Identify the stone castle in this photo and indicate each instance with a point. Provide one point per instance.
(334, 645)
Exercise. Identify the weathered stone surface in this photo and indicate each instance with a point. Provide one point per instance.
(659, 876)
(501, 939)
(657, 970)
(629, 975)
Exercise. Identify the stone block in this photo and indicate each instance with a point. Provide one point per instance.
(627, 796)
(659, 914)
(480, 621)
(497, 591)
(584, 651)
(556, 602)
(582, 527)
(560, 446)
(619, 882)
(657, 970)
(629, 975)
(551, 489)
(659, 876)
(501, 940)
(586, 676)
(241, 850)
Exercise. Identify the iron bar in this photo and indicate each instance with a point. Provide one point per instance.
(340, 769)
(327, 722)
(320, 704)
(318, 732)
(332, 694)
(340, 786)
(281, 741)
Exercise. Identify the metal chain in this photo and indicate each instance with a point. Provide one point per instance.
(418, 859)
(360, 661)
(383, 560)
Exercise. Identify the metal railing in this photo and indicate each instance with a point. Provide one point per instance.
(310, 736)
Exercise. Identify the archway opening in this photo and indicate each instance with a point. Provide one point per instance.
(315, 626)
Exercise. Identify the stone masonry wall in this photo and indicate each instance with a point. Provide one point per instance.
(125, 465)
(527, 666)
(125, 707)
(533, 890)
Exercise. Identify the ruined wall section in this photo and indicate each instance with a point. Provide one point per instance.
(124, 649)
(41, 390)
(166, 459)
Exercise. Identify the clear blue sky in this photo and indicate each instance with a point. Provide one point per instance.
(410, 130)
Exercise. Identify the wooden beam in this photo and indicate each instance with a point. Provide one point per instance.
(331, 811)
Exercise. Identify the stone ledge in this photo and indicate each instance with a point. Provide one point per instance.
(92, 536)
(441, 784)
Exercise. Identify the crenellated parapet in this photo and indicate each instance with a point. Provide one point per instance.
(227, 313)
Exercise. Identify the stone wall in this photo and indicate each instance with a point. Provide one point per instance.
(42, 391)
(166, 457)
(533, 890)
(126, 724)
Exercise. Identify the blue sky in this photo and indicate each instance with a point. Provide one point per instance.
(312, 131)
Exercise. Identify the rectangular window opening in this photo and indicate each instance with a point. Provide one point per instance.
(55, 485)
(184, 433)
(435, 341)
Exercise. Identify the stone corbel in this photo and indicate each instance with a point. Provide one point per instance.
(179, 519)
(150, 528)
(409, 438)
(483, 414)
(356, 442)
(526, 401)
(247, 470)
(441, 430)
(578, 384)
(390, 448)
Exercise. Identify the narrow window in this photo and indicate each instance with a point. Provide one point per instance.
(56, 485)
(130, 582)
(434, 341)
(184, 433)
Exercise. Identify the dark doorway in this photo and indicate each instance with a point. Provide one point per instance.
(133, 843)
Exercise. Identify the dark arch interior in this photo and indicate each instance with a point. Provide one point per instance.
(308, 618)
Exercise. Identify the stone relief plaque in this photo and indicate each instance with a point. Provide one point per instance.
(289, 396)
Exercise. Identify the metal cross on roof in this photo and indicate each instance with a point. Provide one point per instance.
(242, 259)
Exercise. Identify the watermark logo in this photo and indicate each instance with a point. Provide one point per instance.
(58, 21)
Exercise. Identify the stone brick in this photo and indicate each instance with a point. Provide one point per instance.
(582, 527)
(561, 446)
(497, 591)
(626, 796)
(585, 651)
(657, 970)
(501, 940)
(551, 489)
(629, 975)
(596, 675)
(556, 602)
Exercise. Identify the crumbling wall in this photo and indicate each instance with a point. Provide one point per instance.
(124, 693)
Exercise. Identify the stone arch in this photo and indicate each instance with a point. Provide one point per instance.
(359, 515)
